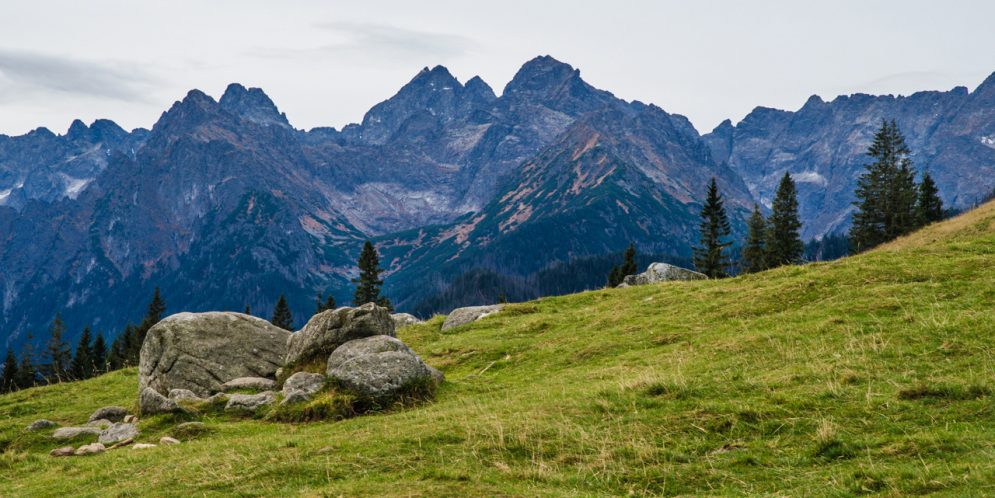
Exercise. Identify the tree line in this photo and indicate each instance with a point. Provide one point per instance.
(890, 203)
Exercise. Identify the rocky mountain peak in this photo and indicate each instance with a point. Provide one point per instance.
(77, 130)
(540, 75)
(252, 104)
(479, 89)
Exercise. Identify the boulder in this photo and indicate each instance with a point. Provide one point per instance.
(112, 413)
(330, 329)
(166, 441)
(249, 402)
(662, 272)
(463, 316)
(184, 395)
(151, 402)
(71, 432)
(202, 351)
(90, 449)
(404, 319)
(301, 387)
(254, 383)
(101, 423)
(379, 369)
(63, 451)
(117, 433)
(40, 424)
(366, 346)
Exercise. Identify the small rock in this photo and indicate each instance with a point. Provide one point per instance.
(130, 419)
(258, 383)
(101, 423)
(249, 402)
(90, 449)
(63, 451)
(166, 440)
(151, 402)
(40, 424)
(217, 397)
(404, 319)
(71, 432)
(118, 432)
(184, 395)
(112, 413)
(301, 387)
(662, 272)
(463, 316)
(142, 446)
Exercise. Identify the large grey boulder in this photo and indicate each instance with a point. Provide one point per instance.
(463, 316)
(112, 413)
(662, 272)
(379, 367)
(202, 351)
(302, 386)
(249, 402)
(330, 329)
(118, 432)
(404, 319)
(151, 402)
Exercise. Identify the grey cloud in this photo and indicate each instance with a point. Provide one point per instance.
(369, 40)
(35, 72)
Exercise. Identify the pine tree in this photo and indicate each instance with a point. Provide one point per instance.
(710, 257)
(82, 364)
(248, 310)
(886, 192)
(116, 357)
(615, 276)
(157, 307)
(629, 262)
(282, 317)
(325, 304)
(754, 250)
(369, 282)
(57, 354)
(783, 244)
(929, 207)
(8, 380)
(27, 374)
(99, 355)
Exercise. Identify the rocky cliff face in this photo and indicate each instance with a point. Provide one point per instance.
(823, 146)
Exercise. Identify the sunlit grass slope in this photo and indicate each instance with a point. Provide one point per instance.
(873, 374)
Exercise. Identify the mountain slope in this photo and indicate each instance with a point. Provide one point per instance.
(869, 374)
(823, 145)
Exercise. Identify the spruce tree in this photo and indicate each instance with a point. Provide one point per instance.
(754, 250)
(615, 276)
(709, 256)
(248, 310)
(27, 374)
(629, 262)
(82, 364)
(369, 283)
(157, 307)
(783, 244)
(886, 193)
(929, 207)
(324, 304)
(99, 355)
(282, 317)
(57, 355)
(116, 358)
(8, 380)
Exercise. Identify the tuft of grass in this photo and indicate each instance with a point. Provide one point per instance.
(944, 392)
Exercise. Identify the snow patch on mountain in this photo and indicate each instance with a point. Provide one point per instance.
(810, 177)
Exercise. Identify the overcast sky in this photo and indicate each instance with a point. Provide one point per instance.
(326, 63)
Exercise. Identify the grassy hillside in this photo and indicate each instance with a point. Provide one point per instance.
(872, 374)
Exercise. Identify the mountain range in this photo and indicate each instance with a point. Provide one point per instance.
(467, 193)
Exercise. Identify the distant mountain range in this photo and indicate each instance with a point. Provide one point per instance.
(468, 194)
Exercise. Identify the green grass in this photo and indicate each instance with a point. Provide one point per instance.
(868, 375)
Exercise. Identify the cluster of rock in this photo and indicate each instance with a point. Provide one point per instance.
(112, 426)
(661, 272)
(203, 357)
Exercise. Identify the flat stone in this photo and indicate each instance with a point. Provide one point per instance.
(118, 432)
(63, 451)
(166, 440)
(257, 383)
(112, 413)
(463, 316)
(249, 402)
(40, 424)
(71, 432)
(90, 449)
(142, 446)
